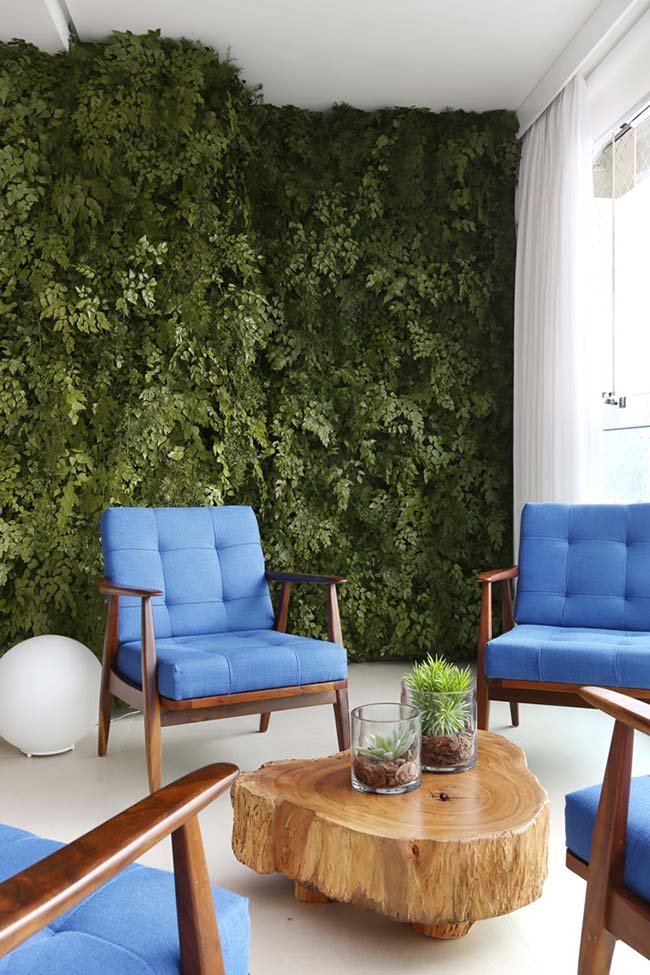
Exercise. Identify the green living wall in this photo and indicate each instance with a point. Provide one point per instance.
(205, 299)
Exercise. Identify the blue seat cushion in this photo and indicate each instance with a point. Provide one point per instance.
(572, 655)
(580, 817)
(72, 953)
(127, 927)
(230, 663)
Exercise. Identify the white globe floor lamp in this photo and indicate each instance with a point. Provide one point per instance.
(49, 688)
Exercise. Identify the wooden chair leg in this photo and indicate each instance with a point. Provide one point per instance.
(152, 724)
(264, 720)
(514, 713)
(200, 948)
(483, 695)
(596, 952)
(342, 718)
(108, 657)
(104, 722)
(153, 746)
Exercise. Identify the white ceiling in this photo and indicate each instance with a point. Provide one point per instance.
(472, 54)
(33, 20)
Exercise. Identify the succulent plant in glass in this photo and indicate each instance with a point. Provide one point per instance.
(385, 748)
(388, 748)
(446, 697)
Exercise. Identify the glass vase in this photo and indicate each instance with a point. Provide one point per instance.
(448, 728)
(386, 748)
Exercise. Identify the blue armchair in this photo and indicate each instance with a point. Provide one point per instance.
(582, 609)
(83, 909)
(190, 631)
(608, 842)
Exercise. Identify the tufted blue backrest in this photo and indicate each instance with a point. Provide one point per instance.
(207, 561)
(585, 565)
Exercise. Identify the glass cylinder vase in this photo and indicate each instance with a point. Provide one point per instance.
(448, 728)
(385, 748)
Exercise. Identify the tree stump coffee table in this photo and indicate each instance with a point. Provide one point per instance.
(461, 848)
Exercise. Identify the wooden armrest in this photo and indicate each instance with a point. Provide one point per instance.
(302, 577)
(334, 632)
(499, 575)
(33, 898)
(109, 588)
(635, 714)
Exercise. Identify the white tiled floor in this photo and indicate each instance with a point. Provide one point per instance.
(64, 796)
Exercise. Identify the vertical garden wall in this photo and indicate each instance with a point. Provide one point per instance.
(205, 299)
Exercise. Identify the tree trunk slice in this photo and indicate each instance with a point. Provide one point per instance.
(461, 848)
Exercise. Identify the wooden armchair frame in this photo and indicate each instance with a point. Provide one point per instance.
(519, 691)
(161, 711)
(611, 911)
(33, 898)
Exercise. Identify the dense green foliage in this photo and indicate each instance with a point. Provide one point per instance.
(206, 299)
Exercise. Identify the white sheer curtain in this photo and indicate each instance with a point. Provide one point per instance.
(556, 376)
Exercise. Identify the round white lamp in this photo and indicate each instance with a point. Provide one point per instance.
(49, 688)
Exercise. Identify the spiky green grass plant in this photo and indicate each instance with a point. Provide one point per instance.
(440, 690)
(388, 748)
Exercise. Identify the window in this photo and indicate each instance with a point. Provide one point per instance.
(621, 288)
